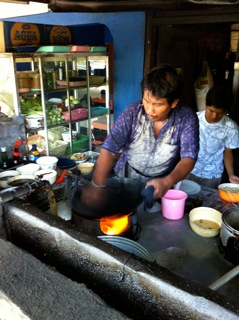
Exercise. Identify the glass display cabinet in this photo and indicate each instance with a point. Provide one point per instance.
(56, 93)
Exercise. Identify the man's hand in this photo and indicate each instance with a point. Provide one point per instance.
(233, 179)
(161, 186)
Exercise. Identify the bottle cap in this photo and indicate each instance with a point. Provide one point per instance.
(3, 149)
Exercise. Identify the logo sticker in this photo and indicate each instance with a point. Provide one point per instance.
(25, 34)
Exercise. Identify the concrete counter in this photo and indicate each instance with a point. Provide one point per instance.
(175, 246)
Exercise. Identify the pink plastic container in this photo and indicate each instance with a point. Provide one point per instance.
(76, 114)
(173, 204)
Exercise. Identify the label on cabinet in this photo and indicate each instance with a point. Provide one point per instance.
(13, 34)
(58, 35)
(20, 34)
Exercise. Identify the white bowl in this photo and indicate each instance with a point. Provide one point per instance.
(205, 222)
(47, 162)
(86, 167)
(5, 176)
(47, 175)
(29, 168)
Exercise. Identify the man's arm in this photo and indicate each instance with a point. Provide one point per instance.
(229, 162)
(103, 167)
(180, 172)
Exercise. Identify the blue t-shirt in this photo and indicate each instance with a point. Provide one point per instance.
(133, 133)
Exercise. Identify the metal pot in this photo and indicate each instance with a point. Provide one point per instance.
(229, 235)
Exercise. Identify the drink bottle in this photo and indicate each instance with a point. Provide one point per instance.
(34, 154)
(16, 155)
(61, 71)
(24, 152)
(4, 158)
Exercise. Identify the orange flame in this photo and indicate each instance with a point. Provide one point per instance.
(114, 225)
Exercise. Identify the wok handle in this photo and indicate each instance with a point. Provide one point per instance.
(148, 195)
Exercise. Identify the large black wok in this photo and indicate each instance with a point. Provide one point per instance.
(120, 196)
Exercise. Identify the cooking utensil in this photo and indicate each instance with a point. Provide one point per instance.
(177, 186)
(128, 245)
(43, 174)
(34, 121)
(20, 180)
(229, 235)
(173, 204)
(120, 196)
(148, 194)
(86, 167)
(65, 163)
(190, 187)
(29, 168)
(206, 222)
(52, 201)
(46, 175)
(225, 278)
(61, 178)
(47, 162)
(229, 192)
(5, 176)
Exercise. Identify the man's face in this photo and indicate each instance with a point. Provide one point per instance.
(213, 115)
(157, 109)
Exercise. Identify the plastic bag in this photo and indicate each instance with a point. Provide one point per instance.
(201, 86)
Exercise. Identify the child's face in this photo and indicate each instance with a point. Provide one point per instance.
(214, 115)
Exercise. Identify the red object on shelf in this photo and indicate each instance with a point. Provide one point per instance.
(61, 178)
(80, 49)
(76, 114)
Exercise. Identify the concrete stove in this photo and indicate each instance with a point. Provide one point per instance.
(129, 284)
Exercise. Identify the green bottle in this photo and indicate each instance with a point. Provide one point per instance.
(4, 158)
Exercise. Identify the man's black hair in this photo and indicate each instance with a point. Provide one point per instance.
(220, 97)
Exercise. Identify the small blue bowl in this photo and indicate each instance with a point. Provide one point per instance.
(65, 163)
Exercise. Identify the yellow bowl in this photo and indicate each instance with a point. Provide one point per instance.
(86, 167)
(205, 222)
(229, 192)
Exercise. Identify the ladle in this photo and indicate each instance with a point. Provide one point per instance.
(224, 279)
(52, 200)
(43, 174)
(233, 199)
(178, 185)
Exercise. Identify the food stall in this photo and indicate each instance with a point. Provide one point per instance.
(178, 281)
